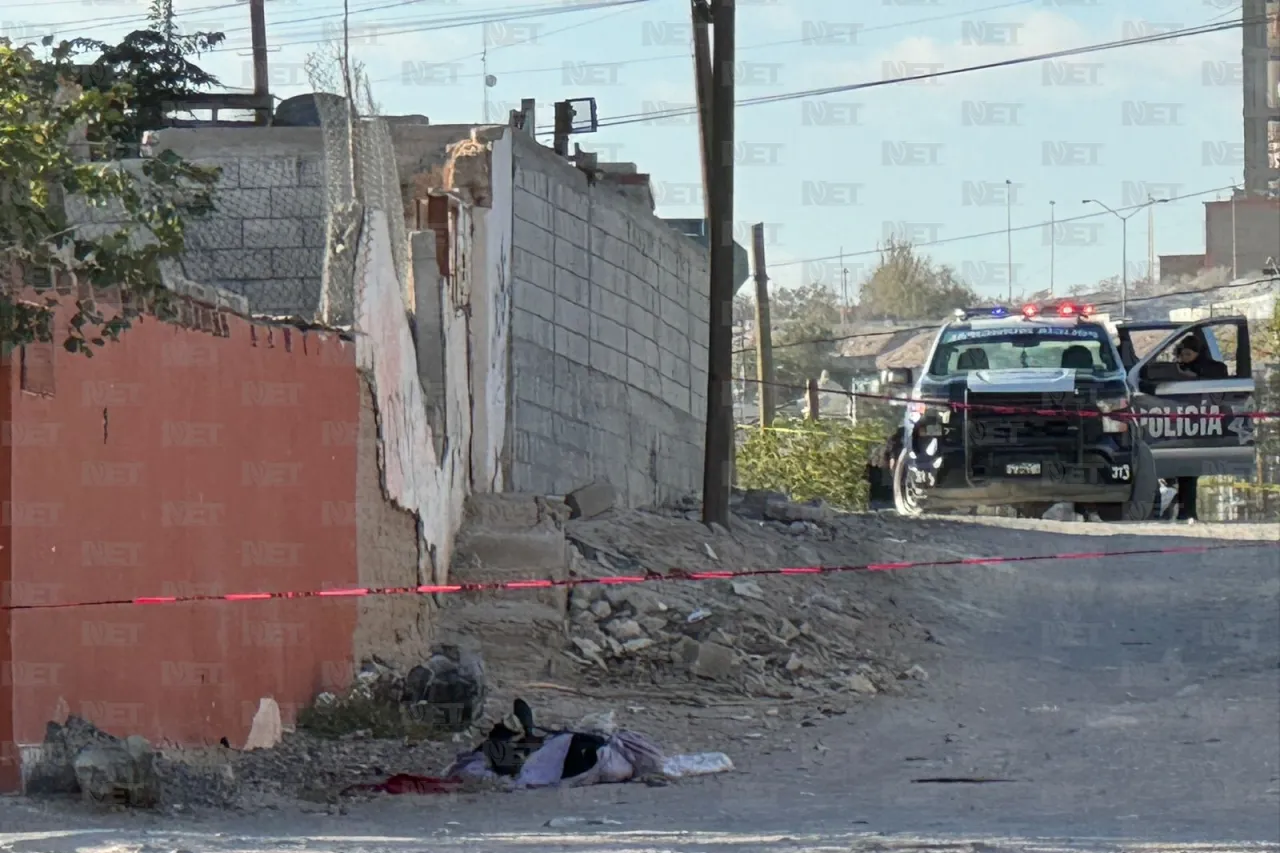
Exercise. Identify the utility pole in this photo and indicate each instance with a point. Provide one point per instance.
(764, 329)
(1235, 257)
(701, 13)
(718, 458)
(261, 80)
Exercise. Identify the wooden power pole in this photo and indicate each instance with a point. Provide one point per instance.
(701, 13)
(764, 329)
(718, 461)
(261, 81)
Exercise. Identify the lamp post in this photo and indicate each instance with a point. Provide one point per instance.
(1124, 244)
(1008, 230)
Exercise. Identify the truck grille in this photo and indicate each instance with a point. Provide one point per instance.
(990, 430)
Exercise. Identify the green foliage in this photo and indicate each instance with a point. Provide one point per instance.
(1266, 366)
(811, 459)
(41, 119)
(910, 286)
(153, 64)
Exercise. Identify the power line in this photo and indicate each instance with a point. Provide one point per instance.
(684, 57)
(463, 21)
(492, 48)
(634, 118)
(1003, 231)
(934, 326)
(100, 23)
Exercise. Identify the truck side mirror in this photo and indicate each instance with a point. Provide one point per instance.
(896, 376)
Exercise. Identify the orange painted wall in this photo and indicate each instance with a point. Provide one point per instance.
(177, 462)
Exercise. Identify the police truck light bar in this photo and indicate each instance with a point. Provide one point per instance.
(1065, 309)
(968, 313)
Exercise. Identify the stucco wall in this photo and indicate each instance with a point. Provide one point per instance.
(491, 325)
(609, 338)
(432, 487)
(175, 463)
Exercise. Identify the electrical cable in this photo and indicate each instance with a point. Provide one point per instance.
(1154, 38)
(929, 327)
(101, 23)
(456, 22)
(491, 48)
(685, 57)
(1002, 231)
(55, 27)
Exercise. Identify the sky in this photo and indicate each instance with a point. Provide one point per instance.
(933, 162)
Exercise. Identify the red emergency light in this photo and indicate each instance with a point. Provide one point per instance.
(1030, 311)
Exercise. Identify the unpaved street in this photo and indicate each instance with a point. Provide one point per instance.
(1127, 703)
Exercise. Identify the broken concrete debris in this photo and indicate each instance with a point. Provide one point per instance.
(448, 691)
(120, 773)
(78, 758)
(443, 695)
(704, 660)
(758, 636)
(591, 500)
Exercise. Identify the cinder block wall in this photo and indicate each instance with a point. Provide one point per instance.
(1256, 231)
(266, 241)
(609, 338)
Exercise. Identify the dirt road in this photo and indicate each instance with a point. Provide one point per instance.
(1121, 703)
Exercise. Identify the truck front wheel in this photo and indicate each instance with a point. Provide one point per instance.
(907, 497)
(1145, 497)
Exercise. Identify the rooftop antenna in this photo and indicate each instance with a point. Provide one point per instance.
(484, 68)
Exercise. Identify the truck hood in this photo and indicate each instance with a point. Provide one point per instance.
(1031, 380)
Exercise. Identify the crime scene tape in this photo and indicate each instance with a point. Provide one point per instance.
(673, 575)
(1154, 414)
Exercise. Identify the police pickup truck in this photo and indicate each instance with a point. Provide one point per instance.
(1041, 406)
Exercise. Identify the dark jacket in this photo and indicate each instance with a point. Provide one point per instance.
(1205, 367)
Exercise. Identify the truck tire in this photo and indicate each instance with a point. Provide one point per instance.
(1145, 497)
(906, 501)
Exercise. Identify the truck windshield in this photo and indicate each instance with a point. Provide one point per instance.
(1085, 349)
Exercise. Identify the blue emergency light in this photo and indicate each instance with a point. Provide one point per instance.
(969, 313)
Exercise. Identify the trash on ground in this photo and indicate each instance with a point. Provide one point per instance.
(518, 754)
(697, 764)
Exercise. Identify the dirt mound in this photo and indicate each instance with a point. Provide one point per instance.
(769, 636)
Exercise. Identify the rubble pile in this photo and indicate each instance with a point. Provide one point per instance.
(444, 695)
(78, 758)
(782, 637)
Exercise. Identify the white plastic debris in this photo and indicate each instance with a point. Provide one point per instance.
(697, 764)
(698, 615)
(600, 723)
(266, 730)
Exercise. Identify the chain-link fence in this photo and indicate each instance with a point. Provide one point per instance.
(365, 143)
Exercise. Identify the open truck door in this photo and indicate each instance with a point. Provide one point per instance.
(1193, 444)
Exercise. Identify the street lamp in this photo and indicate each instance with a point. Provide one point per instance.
(1008, 230)
(1124, 243)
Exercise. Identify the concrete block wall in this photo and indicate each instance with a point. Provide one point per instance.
(1253, 228)
(609, 338)
(266, 240)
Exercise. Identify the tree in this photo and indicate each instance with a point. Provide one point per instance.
(909, 286)
(42, 118)
(810, 303)
(153, 63)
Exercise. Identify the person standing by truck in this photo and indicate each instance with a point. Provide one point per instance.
(1194, 362)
